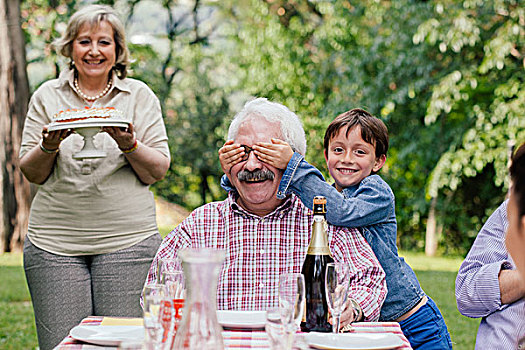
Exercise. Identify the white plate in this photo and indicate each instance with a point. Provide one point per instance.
(107, 335)
(353, 341)
(86, 124)
(241, 319)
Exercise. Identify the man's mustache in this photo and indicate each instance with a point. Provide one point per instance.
(257, 175)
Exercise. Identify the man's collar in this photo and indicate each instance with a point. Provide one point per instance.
(278, 212)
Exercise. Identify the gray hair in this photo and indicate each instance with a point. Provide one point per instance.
(291, 127)
(93, 15)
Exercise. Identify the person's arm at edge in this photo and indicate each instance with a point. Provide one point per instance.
(511, 286)
(37, 165)
(481, 287)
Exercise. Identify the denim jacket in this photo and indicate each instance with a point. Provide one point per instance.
(368, 206)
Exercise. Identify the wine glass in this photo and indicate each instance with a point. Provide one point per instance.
(175, 276)
(167, 265)
(175, 287)
(336, 284)
(153, 296)
(175, 293)
(291, 303)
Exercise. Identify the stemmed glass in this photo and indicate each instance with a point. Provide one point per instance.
(291, 303)
(167, 265)
(336, 283)
(153, 297)
(175, 293)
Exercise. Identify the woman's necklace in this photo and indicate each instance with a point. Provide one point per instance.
(92, 98)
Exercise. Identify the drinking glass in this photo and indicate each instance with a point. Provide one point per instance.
(167, 265)
(291, 303)
(274, 328)
(153, 297)
(175, 293)
(336, 283)
(176, 278)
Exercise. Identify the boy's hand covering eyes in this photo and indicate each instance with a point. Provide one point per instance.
(229, 155)
(277, 153)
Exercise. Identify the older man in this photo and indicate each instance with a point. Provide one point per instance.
(264, 236)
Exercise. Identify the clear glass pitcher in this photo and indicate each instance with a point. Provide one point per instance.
(199, 328)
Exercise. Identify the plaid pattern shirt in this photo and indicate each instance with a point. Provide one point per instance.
(259, 249)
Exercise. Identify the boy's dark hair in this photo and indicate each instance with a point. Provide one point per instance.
(373, 130)
(517, 176)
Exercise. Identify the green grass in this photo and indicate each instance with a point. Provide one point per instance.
(164, 230)
(17, 324)
(437, 276)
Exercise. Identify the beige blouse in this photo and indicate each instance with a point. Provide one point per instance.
(93, 206)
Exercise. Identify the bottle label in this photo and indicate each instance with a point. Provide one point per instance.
(319, 240)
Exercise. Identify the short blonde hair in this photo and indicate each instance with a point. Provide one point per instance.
(93, 15)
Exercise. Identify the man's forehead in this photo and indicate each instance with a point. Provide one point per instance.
(260, 130)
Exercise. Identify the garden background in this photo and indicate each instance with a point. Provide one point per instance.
(445, 76)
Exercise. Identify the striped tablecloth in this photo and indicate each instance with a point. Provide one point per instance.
(244, 339)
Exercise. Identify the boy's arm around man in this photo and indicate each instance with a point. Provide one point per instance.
(368, 203)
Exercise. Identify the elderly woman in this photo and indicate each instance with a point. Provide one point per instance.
(92, 231)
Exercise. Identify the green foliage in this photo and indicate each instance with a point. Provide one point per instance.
(445, 76)
(193, 89)
(480, 98)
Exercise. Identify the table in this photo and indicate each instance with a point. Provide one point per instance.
(242, 339)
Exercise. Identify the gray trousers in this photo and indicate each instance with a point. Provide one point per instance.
(66, 289)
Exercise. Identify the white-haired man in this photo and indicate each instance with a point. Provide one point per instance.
(264, 236)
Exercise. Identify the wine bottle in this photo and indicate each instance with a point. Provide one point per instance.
(315, 317)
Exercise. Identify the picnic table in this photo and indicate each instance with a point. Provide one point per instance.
(233, 339)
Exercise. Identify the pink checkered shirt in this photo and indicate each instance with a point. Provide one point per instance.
(259, 249)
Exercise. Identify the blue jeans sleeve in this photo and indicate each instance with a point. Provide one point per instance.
(288, 175)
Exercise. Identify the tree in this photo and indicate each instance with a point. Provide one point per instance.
(480, 99)
(185, 68)
(14, 96)
(448, 84)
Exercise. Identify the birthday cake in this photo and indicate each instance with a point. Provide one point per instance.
(88, 114)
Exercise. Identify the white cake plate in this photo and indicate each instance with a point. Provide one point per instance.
(88, 130)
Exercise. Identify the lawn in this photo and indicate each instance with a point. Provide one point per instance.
(437, 276)
(17, 324)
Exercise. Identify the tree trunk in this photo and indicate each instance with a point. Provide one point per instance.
(15, 193)
(431, 235)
